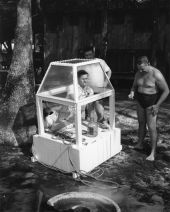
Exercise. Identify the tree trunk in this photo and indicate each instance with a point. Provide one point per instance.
(155, 33)
(19, 88)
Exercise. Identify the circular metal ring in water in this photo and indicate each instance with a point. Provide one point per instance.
(83, 201)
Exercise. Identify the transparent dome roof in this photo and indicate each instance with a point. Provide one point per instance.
(60, 75)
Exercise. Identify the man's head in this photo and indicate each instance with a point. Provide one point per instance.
(143, 63)
(82, 78)
(89, 53)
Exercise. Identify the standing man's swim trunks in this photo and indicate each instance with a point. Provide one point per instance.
(146, 100)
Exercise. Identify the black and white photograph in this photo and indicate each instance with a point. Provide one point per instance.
(85, 105)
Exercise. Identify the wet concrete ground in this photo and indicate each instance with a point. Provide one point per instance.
(134, 183)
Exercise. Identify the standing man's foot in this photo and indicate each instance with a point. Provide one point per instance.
(151, 157)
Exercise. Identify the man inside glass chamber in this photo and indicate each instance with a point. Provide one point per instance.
(83, 91)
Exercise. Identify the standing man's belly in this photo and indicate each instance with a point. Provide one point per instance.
(147, 90)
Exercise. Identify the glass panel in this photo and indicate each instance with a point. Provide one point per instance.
(92, 124)
(89, 124)
(58, 78)
(59, 121)
(97, 77)
(105, 123)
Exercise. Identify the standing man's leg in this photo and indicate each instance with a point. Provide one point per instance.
(151, 122)
(141, 113)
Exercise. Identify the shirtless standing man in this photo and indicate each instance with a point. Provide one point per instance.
(147, 83)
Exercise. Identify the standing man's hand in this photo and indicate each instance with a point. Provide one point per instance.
(154, 109)
(131, 95)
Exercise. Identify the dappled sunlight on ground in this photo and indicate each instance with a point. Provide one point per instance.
(135, 184)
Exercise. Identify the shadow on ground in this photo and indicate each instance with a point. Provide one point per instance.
(135, 184)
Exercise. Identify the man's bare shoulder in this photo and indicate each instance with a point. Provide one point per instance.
(101, 60)
(155, 70)
(156, 73)
(104, 64)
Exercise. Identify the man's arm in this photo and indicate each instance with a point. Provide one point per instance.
(106, 68)
(162, 85)
(133, 89)
(90, 91)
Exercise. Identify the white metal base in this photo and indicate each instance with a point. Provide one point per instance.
(70, 157)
